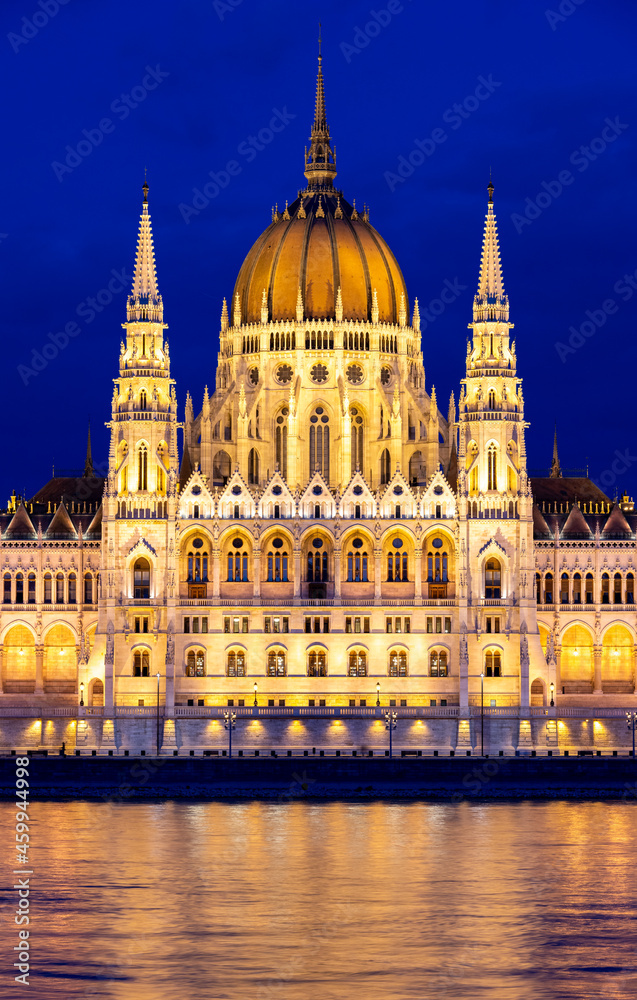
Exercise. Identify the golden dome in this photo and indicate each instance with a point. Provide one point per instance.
(323, 245)
(318, 245)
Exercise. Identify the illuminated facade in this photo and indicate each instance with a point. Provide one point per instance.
(323, 528)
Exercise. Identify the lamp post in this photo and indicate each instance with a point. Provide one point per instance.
(82, 694)
(230, 723)
(378, 694)
(158, 676)
(256, 687)
(482, 714)
(552, 687)
(631, 722)
(390, 723)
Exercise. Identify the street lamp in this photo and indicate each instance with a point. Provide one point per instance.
(82, 694)
(158, 676)
(229, 724)
(390, 723)
(552, 686)
(378, 694)
(631, 722)
(482, 714)
(256, 686)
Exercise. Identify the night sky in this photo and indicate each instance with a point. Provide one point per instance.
(541, 93)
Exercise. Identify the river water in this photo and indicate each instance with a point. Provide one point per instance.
(303, 901)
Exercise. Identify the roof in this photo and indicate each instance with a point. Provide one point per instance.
(566, 489)
(81, 489)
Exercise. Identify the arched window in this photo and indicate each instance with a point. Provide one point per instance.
(605, 588)
(397, 563)
(398, 663)
(59, 588)
(281, 441)
(357, 562)
(492, 467)
(437, 561)
(31, 588)
(142, 467)
(72, 588)
(220, 468)
(7, 588)
(357, 663)
(197, 560)
(320, 443)
(548, 588)
(438, 665)
(384, 466)
(317, 562)
(253, 467)
(564, 589)
(88, 588)
(19, 588)
(577, 588)
(492, 579)
(317, 663)
(236, 664)
(491, 400)
(589, 588)
(493, 663)
(141, 663)
(141, 579)
(357, 440)
(237, 561)
(142, 400)
(417, 470)
(196, 663)
(277, 666)
(630, 588)
(538, 588)
(48, 583)
(617, 589)
(278, 558)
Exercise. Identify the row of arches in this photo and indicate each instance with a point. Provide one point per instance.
(60, 587)
(59, 651)
(577, 650)
(580, 588)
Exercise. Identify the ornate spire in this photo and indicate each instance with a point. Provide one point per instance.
(320, 162)
(224, 316)
(490, 302)
(88, 465)
(556, 469)
(145, 303)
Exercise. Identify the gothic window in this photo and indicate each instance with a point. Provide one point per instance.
(491, 400)
(19, 589)
(7, 588)
(492, 579)
(605, 588)
(630, 588)
(141, 579)
(438, 666)
(141, 663)
(437, 561)
(317, 563)
(197, 562)
(59, 588)
(357, 563)
(320, 443)
(538, 588)
(357, 440)
(397, 663)
(317, 663)
(357, 663)
(277, 666)
(493, 663)
(417, 471)
(577, 588)
(589, 588)
(237, 561)
(142, 400)
(253, 467)
(384, 466)
(564, 589)
(72, 588)
(48, 582)
(492, 473)
(617, 589)
(31, 588)
(142, 467)
(548, 588)
(88, 588)
(221, 468)
(281, 441)
(196, 663)
(236, 664)
(397, 564)
(278, 558)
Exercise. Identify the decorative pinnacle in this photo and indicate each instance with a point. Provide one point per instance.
(490, 302)
(320, 162)
(145, 303)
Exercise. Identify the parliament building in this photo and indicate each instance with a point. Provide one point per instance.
(320, 533)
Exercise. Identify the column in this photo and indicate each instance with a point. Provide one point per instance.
(597, 676)
(39, 670)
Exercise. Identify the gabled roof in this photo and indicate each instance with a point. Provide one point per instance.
(438, 491)
(61, 523)
(83, 489)
(576, 524)
(358, 492)
(565, 489)
(616, 523)
(276, 491)
(540, 527)
(311, 494)
(95, 527)
(20, 524)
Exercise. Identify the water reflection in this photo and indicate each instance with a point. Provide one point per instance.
(259, 901)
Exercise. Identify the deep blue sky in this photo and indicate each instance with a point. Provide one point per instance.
(228, 66)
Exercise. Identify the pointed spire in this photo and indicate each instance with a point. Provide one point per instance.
(224, 316)
(338, 312)
(490, 302)
(264, 307)
(375, 311)
(402, 311)
(320, 162)
(237, 311)
(205, 409)
(556, 471)
(299, 306)
(145, 303)
(88, 465)
(416, 319)
(451, 416)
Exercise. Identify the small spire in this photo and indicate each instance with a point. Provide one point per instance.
(286, 214)
(301, 212)
(402, 311)
(299, 306)
(416, 319)
(339, 305)
(88, 465)
(556, 470)
(354, 212)
(338, 214)
(320, 162)
(264, 307)
(145, 302)
(237, 311)
(375, 311)
(224, 316)
(490, 301)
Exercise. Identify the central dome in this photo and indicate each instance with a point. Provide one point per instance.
(318, 245)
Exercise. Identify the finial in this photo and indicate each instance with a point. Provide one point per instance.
(299, 306)
(224, 316)
(320, 41)
(286, 214)
(145, 188)
(375, 310)
(416, 319)
(320, 214)
(354, 212)
(339, 305)
(301, 213)
(490, 188)
(338, 214)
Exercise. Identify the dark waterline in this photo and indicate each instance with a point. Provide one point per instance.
(355, 901)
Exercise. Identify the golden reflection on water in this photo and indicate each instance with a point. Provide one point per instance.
(355, 901)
